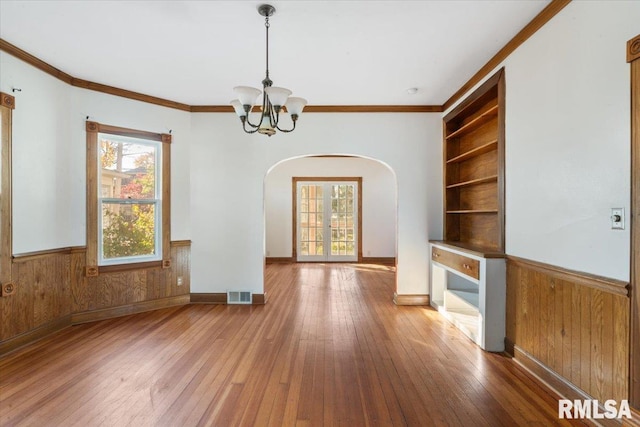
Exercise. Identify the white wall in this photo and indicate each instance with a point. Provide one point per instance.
(122, 112)
(49, 144)
(378, 201)
(568, 139)
(42, 168)
(228, 169)
(218, 174)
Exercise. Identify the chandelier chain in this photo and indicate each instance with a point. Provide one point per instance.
(266, 25)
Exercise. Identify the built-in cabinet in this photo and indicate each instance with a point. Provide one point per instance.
(468, 272)
(469, 289)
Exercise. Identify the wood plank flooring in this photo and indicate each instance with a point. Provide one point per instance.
(329, 348)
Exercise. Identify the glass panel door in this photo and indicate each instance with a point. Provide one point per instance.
(327, 227)
(343, 222)
(311, 222)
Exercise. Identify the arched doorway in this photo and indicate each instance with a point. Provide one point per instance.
(379, 204)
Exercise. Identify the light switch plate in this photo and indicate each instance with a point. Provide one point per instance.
(617, 218)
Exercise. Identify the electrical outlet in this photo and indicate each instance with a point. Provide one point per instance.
(180, 281)
(617, 218)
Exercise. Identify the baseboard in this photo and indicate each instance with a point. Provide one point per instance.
(259, 299)
(33, 335)
(390, 261)
(509, 347)
(410, 299)
(279, 260)
(221, 298)
(123, 310)
(209, 298)
(556, 383)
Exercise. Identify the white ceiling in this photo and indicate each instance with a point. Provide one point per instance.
(330, 52)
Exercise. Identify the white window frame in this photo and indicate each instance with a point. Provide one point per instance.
(156, 201)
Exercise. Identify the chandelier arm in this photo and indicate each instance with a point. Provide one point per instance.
(274, 116)
(244, 122)
(251, 124)
(287, 130)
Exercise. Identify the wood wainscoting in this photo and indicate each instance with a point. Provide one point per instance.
(570, 329)
(52, 292)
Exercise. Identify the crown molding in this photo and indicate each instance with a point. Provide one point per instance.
(536, 23)
(85, 84)
(35, 62)
(333, 109)
(123, 93)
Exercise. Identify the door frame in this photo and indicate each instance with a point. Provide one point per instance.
(294, 212)
(633, 58)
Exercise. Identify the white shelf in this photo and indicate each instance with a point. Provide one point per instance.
(470, 298)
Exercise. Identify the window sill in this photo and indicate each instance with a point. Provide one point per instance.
(117, 268)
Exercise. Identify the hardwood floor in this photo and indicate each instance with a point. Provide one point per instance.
(329, 348)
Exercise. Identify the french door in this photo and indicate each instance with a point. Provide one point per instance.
(327, 225)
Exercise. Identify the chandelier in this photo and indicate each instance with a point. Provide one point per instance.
(273, 98)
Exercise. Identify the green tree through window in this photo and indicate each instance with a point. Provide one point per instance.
(129, 197)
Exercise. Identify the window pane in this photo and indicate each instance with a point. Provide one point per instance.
(127, 169)
(128, 230)
(350, 248)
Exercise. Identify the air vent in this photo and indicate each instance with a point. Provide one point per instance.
(238, 297)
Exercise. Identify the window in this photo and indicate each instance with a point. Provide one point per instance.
(127, 196)
(129, 220)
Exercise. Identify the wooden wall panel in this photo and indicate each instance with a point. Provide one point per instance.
(51, 286)
(42, 294)
(578, 331)
(114, 289)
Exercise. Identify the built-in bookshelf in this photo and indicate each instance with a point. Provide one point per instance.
(474, 169)
(468, 270)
